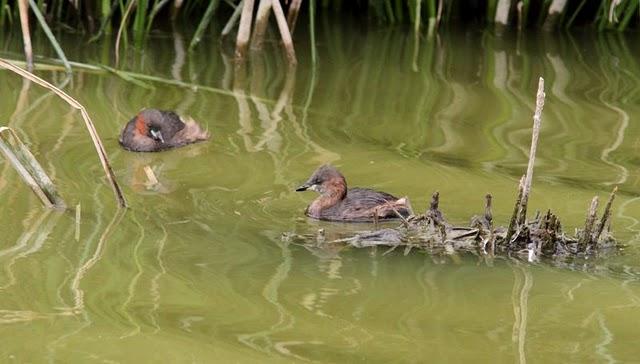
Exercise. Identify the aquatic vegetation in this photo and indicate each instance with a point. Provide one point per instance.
(102, 154)
(140, 17)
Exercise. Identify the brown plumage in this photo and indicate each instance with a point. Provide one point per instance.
(338, 203)
(153, 130)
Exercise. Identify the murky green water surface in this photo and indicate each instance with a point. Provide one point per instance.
(195, 271)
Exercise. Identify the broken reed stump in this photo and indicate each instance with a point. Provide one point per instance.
(541, 237)
(260, 27)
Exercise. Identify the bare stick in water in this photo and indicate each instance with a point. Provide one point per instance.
(537, 120)
(260, 26)
(606, 215)
(292, 16)
(284, 32)
(26, 33)
(104, 160)
(588, 224)
(244, 30)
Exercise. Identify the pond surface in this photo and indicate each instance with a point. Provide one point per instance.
(196, 270)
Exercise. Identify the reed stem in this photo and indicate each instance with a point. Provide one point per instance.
(260, 25)
(244, 31)
(26, 33)
(284, 32)
(537, 120)
(204, 23)
(102, 155)
(52, 39)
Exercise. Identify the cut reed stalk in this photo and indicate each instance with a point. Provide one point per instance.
(537, 120)
(244, 31)
(26, 33)
(29, 169)
(556, 9)
(102, 155)
(416, 17)
(292, 14)
(260, 25)
(586, 237)
(284, 32)
(606, 215)
(502, 14)
(175, 9)
(52, 39)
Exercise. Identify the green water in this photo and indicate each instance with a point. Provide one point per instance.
(195, 270)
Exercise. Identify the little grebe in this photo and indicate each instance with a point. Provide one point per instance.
(337, 203)
(154, 130)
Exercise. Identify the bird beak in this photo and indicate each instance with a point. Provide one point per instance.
(304, 187)
(157, 135)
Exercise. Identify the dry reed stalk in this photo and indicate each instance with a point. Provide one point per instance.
(284, 32)
(586, 237)
(519, 7)
(177, 4)
(556, 9)
(29, 169)
(102, 155)
(260, 25)
(439, 12)
(502, 13)
(606, 215)
(537, 120)
(292, 15)
(26, 33)
(244, 31)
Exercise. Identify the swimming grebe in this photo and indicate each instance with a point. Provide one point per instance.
(337, 203)
(154, 130)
